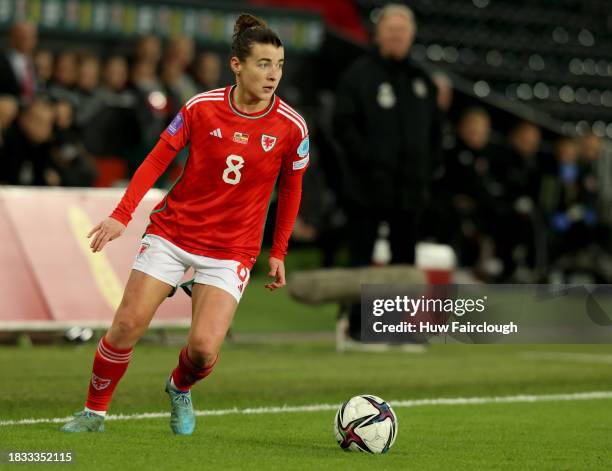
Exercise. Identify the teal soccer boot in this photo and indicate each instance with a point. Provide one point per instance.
(85, 422)
(182, 418)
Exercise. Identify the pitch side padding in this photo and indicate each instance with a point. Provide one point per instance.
(49, 277)
(21, 298)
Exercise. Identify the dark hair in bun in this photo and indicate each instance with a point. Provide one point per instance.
(250, 30)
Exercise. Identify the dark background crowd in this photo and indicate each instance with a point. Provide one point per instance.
(517, 201)
(73, 117)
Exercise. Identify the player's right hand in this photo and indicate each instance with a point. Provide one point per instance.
(104, 232)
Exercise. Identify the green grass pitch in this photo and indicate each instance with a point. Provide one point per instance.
(49, 382)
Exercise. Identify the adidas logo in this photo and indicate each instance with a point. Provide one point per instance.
(216, 133)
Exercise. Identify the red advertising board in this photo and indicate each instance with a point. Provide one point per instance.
(49, 278)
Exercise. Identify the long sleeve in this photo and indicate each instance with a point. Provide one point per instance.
(147, 174)
(289, 195)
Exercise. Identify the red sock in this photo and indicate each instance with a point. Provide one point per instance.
(186, 373)
(109, 366)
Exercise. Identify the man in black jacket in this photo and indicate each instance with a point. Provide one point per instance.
(387, 123)
(17, 75)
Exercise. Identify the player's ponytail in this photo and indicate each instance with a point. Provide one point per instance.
(250, 30)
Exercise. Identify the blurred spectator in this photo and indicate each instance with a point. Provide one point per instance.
(467, 188)
(26, 154)
(116, 74)
(113, 128)
(17, 71)
(8, 112)
(590, 147)
(568, 176)
(467, 161)
(43, 63)
(75, 166)
(153, 103)
(486, 204)
(474, 131)
(143, 76)
(178, 57)
(64, 79)
(180, 49)
(524, 169)
(89, 73)
(573, 219)
(524, 164)
(148, 49)
(88, 91)
(525, 139)
(387, 122)
(171, 79)
(566, 151)
(207, 71)
(152, 108)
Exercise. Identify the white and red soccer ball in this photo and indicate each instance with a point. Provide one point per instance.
(365, 423)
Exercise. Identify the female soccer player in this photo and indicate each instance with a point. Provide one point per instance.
(241, 138)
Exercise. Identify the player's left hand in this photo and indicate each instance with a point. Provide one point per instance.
(277, 271)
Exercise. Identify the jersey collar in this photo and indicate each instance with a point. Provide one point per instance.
(259, 114)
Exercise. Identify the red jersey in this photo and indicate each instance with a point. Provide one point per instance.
(218, 206)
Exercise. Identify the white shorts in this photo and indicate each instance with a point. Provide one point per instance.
(166, 262)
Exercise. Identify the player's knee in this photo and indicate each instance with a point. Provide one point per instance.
(126, 326)
(202, 352)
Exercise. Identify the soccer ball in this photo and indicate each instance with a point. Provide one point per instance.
(365, 423)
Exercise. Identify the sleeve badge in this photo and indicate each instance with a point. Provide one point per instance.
(304, 148)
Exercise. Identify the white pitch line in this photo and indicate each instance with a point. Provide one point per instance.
(571, 357)
(443, 401)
